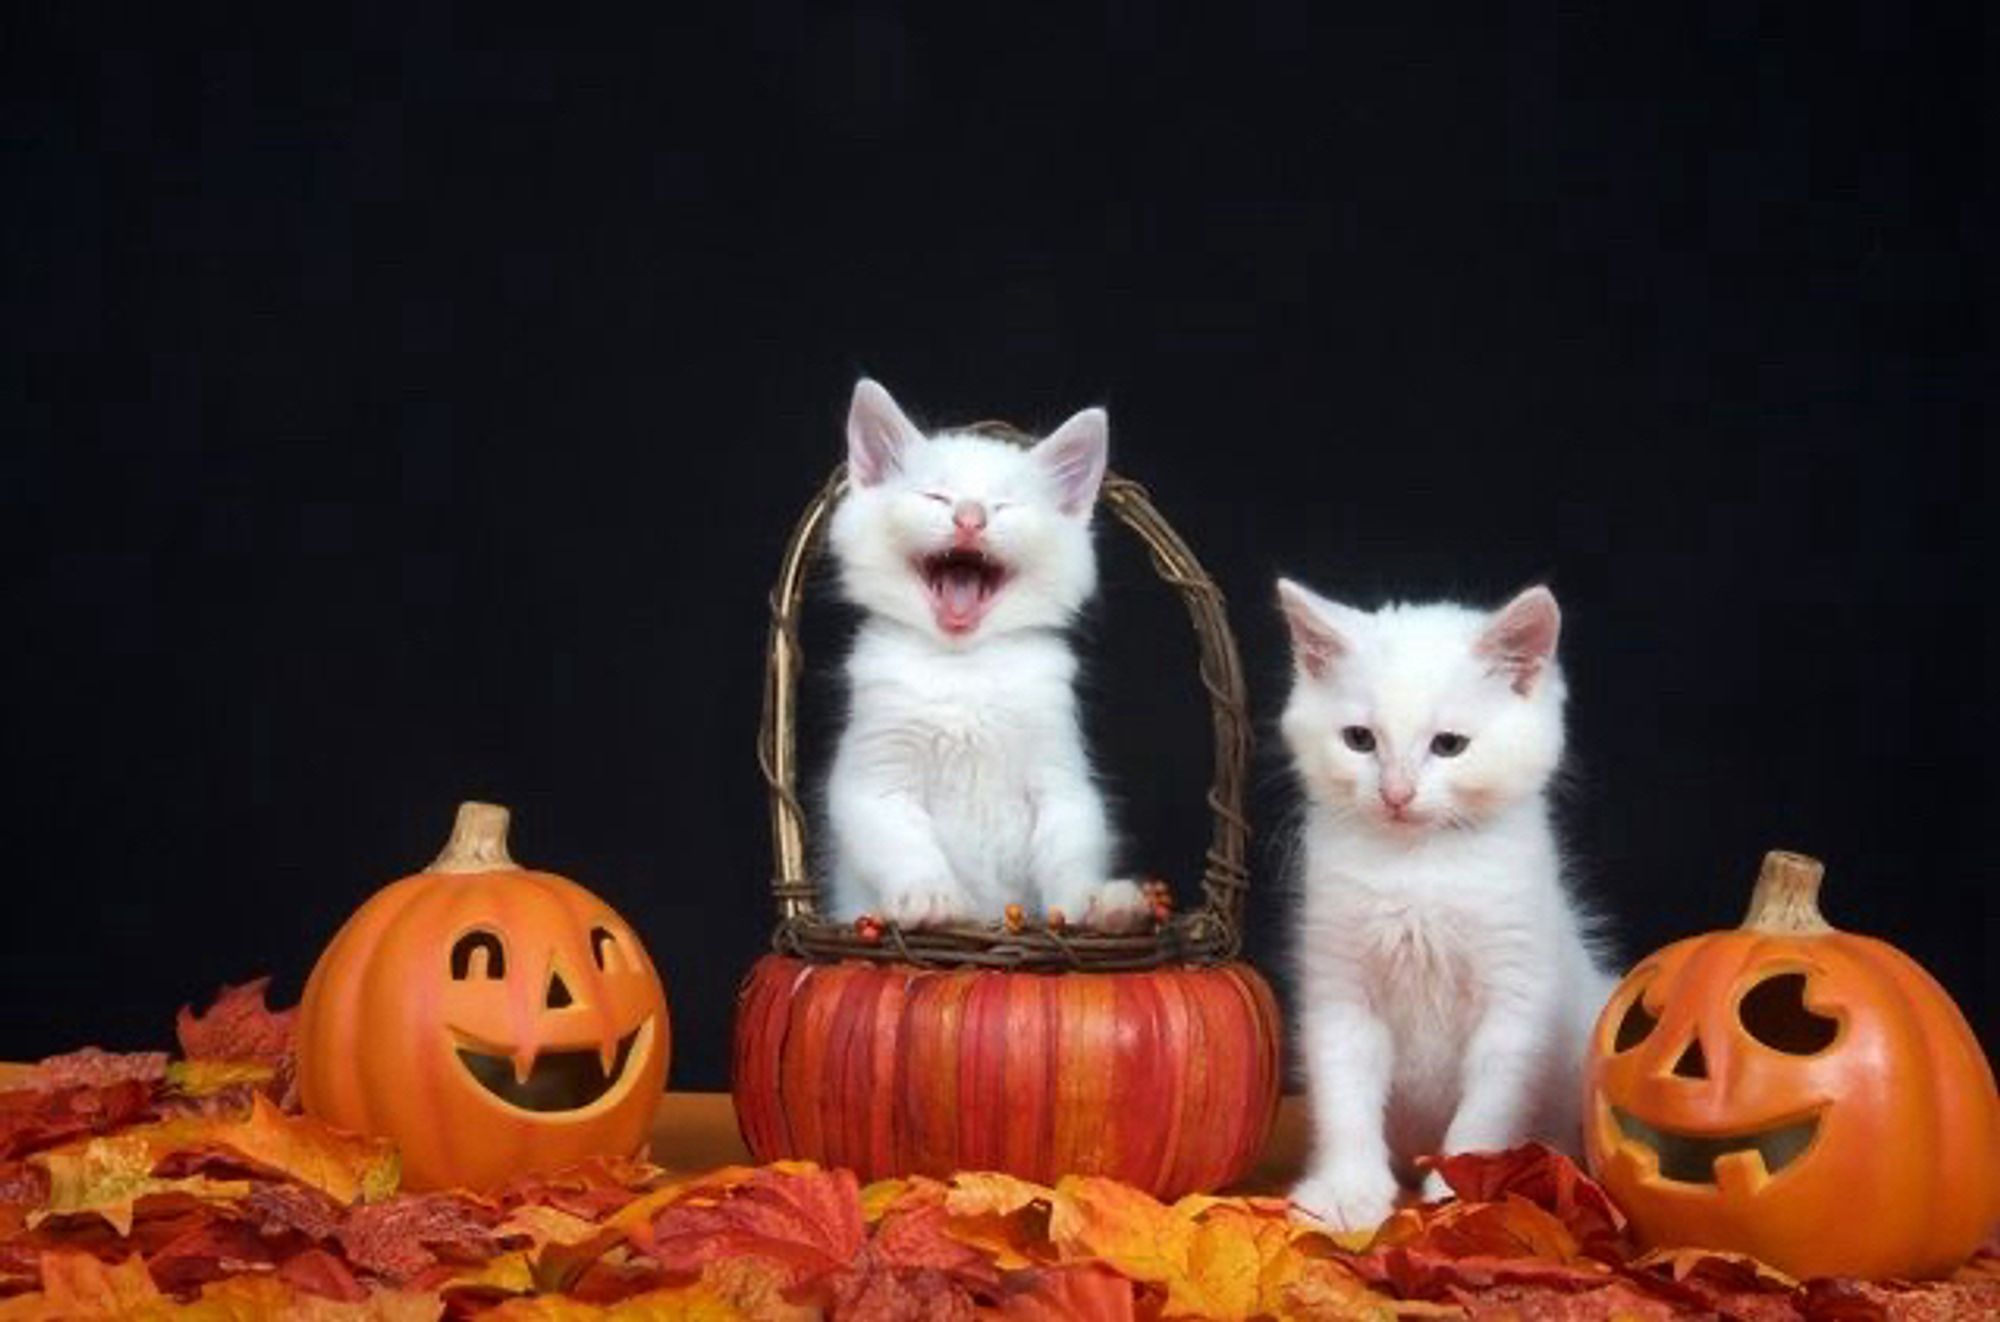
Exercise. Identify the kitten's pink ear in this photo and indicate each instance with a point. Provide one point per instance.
(1521, 637)
(1317, 642)
(877, 434)
(1074, 455)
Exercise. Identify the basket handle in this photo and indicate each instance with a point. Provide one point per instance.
(1225, 877)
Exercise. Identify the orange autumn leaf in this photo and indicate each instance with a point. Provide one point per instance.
(260, 1298)
(274, 1144)
(78, 1286)
(109, 1176)
(697, 1302)
(1212, 1257)
(1079, 1292)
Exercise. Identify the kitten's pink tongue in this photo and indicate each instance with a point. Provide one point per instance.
(960, 595)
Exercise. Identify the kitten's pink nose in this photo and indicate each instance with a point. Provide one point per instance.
(1398, 794)
(968, 516)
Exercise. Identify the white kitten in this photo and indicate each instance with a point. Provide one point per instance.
(961, 785)
(1447, 983)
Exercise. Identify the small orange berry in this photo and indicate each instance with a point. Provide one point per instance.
(1016, 918)
(1056, 920)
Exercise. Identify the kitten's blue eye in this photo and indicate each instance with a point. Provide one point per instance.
(1447, 744)
(1359, 738)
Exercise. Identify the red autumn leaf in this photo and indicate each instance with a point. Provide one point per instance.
(295, 1207)
(31, 1120)
(1549, 1180)
(238, 1026)
(920, 1239)
(873, 1291)
(590, 1189)
(1617, 1301)
(96, 1068)
(402, 1238)
(809, 1220)
(208, 1249)
(1419, 1273)
(317, 1272)
(1510, 1228)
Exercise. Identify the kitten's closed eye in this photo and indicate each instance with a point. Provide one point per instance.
(1359, 738)
(937, 496)
(1446, 743)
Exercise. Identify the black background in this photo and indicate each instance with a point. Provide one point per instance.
(407, 413)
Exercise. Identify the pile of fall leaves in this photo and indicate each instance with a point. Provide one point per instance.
(135, 1186)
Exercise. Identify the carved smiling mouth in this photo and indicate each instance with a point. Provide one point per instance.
(1691, 1158)
(559, 1080)
(962, 583)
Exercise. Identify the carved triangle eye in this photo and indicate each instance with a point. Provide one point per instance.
(1775, 1013)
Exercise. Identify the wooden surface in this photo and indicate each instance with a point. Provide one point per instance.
(697, 1131)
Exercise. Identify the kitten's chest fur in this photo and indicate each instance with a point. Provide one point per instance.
(967, 734)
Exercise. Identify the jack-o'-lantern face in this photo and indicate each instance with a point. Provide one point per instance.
(548, 1011)
(1745, 1085)
(1720, 1092)
(491, 1019)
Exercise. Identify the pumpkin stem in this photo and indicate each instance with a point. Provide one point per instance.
(1787, 895)
(478, 841)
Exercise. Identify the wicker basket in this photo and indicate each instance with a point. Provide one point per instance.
(1150, 1056)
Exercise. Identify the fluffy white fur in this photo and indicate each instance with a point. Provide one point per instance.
(1447, 981)
(961, 784)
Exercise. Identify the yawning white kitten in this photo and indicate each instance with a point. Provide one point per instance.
(1447, 986)
(961, 785)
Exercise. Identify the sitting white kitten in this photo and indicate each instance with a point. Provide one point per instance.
(1446, 979)
(961, 784)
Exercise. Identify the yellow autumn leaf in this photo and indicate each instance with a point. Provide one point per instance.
(205, 1078)
(109, 1176)
(1001, 1216)
(348, 1167)
(543, 1225)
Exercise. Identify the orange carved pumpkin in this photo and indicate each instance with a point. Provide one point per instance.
(1803, 1094)
(489, 1019)
(1167, 1079)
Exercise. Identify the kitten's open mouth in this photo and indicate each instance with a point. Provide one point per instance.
(1695, 1158)
(962, 583)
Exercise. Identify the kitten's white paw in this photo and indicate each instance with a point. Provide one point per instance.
(1117, 906)
(925, 906)
(1435, 1189)
(1348, 1200)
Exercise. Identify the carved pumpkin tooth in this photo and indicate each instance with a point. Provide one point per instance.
(1741, 1173)
(524, 1064)
(607, 1055)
